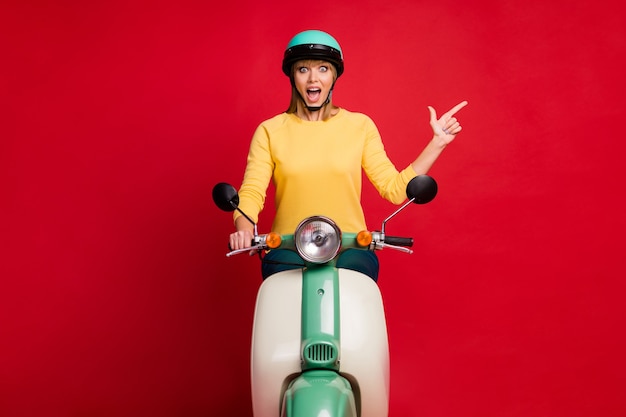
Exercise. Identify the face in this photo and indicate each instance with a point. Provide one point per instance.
(314, 80)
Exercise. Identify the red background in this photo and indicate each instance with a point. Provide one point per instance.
(118, 117)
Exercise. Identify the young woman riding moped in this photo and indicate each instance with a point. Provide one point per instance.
(310, 358)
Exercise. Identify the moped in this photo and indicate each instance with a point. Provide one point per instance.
(319, 338)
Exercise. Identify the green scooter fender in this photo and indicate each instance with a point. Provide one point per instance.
(319, 393)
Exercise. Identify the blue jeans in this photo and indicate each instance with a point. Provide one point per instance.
(278, 260)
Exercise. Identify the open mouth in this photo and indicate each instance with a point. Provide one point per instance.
(313, 94)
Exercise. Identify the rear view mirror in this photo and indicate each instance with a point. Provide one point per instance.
(225, 197)
(421, 189)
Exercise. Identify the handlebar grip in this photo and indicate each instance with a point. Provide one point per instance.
(399, 241)
(230, 248)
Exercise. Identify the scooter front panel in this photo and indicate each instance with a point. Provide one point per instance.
(275, 340)
(364, 344)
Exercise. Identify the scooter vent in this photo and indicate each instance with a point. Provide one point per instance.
(320, 353)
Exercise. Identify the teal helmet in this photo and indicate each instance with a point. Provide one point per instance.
(313, 44)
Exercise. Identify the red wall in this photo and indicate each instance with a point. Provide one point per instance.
(118, 117)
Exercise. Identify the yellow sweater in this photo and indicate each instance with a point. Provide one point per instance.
(316, 166)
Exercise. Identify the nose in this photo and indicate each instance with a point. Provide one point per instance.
(313, 75)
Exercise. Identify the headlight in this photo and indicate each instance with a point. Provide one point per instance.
(317, 239)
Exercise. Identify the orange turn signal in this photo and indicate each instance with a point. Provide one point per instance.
(273, 240)
(364, 238)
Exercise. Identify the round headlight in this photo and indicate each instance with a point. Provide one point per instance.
(318, 239)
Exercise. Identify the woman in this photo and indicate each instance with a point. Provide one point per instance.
(315, 152)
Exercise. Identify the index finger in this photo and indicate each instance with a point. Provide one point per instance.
(456, 108)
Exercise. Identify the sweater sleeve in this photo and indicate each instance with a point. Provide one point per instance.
(379, 169)
(259, 169)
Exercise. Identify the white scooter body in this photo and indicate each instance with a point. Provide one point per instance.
(357, 327)
(276, 341)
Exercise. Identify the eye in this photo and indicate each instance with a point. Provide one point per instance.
(302, 69)
(323, 68)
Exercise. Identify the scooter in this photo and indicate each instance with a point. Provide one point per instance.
(319, 339)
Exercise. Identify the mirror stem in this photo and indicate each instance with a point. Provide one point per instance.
(394, 213)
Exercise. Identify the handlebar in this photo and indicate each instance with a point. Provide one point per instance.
(399, 241)
(379, 242)
(258, 243)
